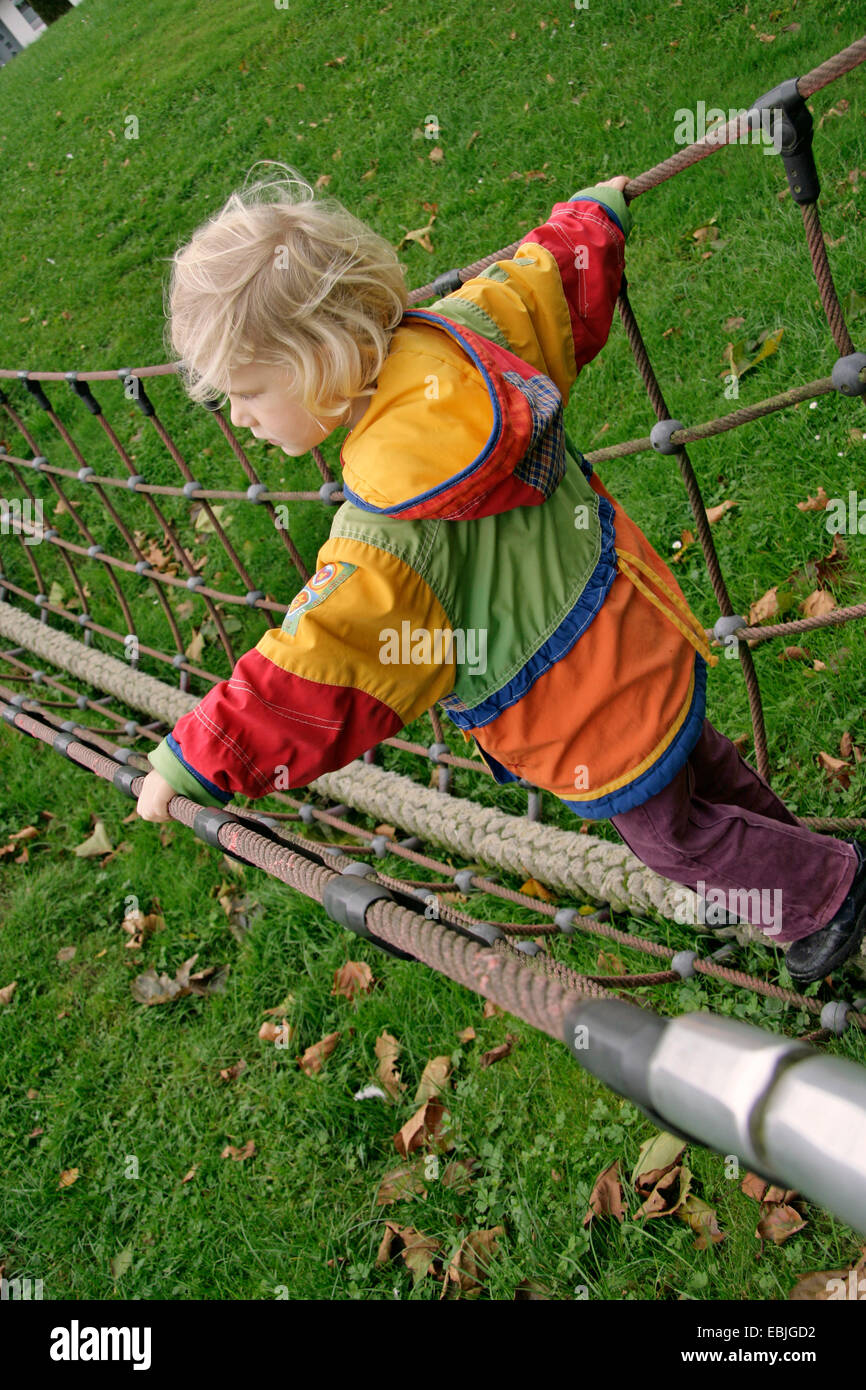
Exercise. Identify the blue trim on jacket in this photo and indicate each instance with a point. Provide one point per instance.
(492, 440)
(573, 625)
(583, 198)
(211, 787)
(662, 772)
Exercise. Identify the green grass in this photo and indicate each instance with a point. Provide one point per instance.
(214, 88)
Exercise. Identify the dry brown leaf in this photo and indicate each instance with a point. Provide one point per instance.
(68, 1177)
(819, 603)
(466, 1036)
(312, 1060)
(795, 654)
(497, 1053)
(468, 1268)
(231, 1073)
(190, 1175)
(7, 991)
(239, 1155)
(490, 1009)
(434, 1078)
(714, 513)
(355, 977)
(416, 1249)
(402, 1184)
(609, 963)
(64, 954)
(668, 1194)
(606, 1196)
(533, 889)
(388, 1050)
(836, 770)
(767, 606)
(427, 1128)
(778, 1222)
(702, 1219)
(815, 504)
(279, 1033)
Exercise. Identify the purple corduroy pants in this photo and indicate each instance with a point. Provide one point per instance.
(719, 829)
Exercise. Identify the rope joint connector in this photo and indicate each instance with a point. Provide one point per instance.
(794, 141)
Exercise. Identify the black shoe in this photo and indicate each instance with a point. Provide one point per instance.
(813, 957)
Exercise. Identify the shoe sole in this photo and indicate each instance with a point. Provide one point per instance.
(844, 953)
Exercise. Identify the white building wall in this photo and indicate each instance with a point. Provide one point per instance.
(18, 26)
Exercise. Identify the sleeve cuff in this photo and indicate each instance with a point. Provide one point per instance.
(612, 199)
(163, 761)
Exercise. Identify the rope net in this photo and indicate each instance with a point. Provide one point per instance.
(405, 915)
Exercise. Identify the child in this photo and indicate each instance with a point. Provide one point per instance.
(478, 560)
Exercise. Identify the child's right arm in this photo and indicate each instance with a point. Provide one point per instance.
(554, 301)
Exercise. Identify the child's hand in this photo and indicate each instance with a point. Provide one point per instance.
(154, 797)
(619, 182)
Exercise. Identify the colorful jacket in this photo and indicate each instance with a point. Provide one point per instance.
(478, 562)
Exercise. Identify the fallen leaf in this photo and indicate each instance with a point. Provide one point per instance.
(190, 1175)
(68, 1177)
(64, 954)
(815, 504)
(312, 1060)
(468, 1268)
(702, 1219)
(239, 1155)
(657, 1156)
(714, 513)
(427, 1128)
(606, 1196)
(497, 1053)
(778, 1222)
(7, 991)
(466, 1036)
(434, 1078)
(388, 1050)
(533, 889)
(401, 1185)
(818, 604)
(231, 1073)
(121, 1262)
(97, 843)
(355, 977)
(416, 1249)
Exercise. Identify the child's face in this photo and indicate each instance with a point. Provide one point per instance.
(260, 402)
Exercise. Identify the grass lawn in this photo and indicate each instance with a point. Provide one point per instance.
(533, 102)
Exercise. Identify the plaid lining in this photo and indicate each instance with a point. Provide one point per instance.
(543, 464)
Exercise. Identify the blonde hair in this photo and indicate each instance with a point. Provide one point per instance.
(297, 283)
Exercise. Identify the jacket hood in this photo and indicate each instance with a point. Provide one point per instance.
(458, 428)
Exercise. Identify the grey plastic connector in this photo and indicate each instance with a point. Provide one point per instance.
(327, 490)
(463, 878)
(379, 846)
(834, 1016)
(846, 374)
(142, 566)
(435, 751)
(85, 473)
(660, 436)
(359, 869)
(529, 948)
(684, 964)
(564, 919)
(727, 626)
(94, 550)
(252, 596)
(255, 491)
(192, 486)
(194, 581)
(133, 482)
(306, 814)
